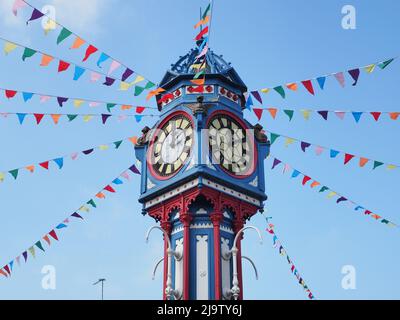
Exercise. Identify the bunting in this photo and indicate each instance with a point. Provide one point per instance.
(340, 77)
(332, 152)
(60, 161)
(282, 251)
(326, 115)
(55, 118)
(331, 194)
(78, 215)
(64, 34)
(78, 71)
(76, 102)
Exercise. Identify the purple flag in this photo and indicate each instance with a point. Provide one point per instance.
(134, 169)
(276, 163)
(109, 81)
(76, 215)
(257, 95)
(323, 114)
(105, 117)
(61, 101)
(128, 72)
(87, 152)
(355, 74)
(341, 199)
(305, 145)
(36, 14)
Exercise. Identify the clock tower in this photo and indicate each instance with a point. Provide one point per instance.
(202, 178)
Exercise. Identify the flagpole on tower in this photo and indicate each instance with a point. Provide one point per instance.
(102, 287)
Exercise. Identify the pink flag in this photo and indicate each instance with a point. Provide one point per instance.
(18, 4)
(74, 156)
(340, 78)
(94, 76)
(122, 117)
(114, 66)
(340, 114)
(94, 104)
(203, 53)
(126, 176)
(319, 150)
(44, 99)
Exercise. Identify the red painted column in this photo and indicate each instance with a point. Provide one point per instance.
(216, 219)
(186, 218)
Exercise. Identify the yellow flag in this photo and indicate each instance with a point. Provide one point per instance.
(306, 114)
(370, 68)
(84, 209)
(2, 176)
(9, 46)
(104, 147)
(137, 80)
(332, 194)
(289, 141)
(124, 86)
(32, 251)
(266, 90)
(87, 118)
(391, 166)
(50, 25)
(78, 103)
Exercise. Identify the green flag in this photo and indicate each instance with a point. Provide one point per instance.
(149, 85)
(377, 164)
(274, 136)
(118, 144)
(39, 245)
(14, 173)
(92, 203)
(72, 117)
(110, 106)
(323, 189)
(281, 91)
(207, 11)
(383, 65)
(138, 90)
(28, 52)
(64, 34)
(289, 113)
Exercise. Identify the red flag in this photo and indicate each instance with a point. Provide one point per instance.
(309, 86)
(38, 117)
(53, 234)
(376, 115)
(201, 34)
(347, 158)
(10, 94)
(109, 189)
(63, 66)
(140, 110)
(45, 165)
(7, 268)
(305, 180)
(89, 51)
(258, 112)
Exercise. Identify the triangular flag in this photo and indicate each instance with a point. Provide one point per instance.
(319, 150)
(384, 64)
(124, 86)
(334, 153)
(304, 146)
(306, 114)
(281, 91)
(64, 34)
(59, 162)
(89, 51)
(273, 112)
(377, 164)
(78, 73)
(72, 117)
(295, 173)
(128, 72)
(249, 102)
(348, 158)
(340, 114)
(45, 165)
(21, 117)
(355, 74)
(38, 117)
(276, 163)
(61, 101)
(92, 203)
(56, 118)
(363, 162)
(315, 184)
(113, 66)
(357, 116)
(18, 4)
(27, 96)
(109, 81)
(28, 53)
(36, 14)
(370, 68)
(257, 95)
(309, 86)
(105, 117)
(292, 86)
(394, 115)
(31, 169)
(109, 189)
(118, 144)
(154, 93)
(340, 78)
(63, 66)
(274, 136)
(103, 57)
(289, 141)
(321, 82)
(9, 46)
(78, 43)
(94, 76)
(39, 245)
(140, 110)
(53, 234)
(305, 180)
(46, 59)
(323, 114)
(376, 115)
(289, 113)
(32, 251)
(77, 215)
(110, 106)
(14, 173)
(134, 170)
(100, 195)
(258, 112)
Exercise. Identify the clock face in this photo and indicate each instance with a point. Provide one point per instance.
(171, 146)
(231, 145)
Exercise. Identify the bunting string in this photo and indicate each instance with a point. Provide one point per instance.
(56, 117)
(309, 84)
(282, 251)
(79, 71)
(331, 194)
(333, 153)
(325, 114)
(78, 41)
(60, 161)
(78, 214)
(27, 96)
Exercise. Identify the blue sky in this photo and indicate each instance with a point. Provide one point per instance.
(269, 43)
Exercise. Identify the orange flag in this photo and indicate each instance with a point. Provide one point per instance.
(202, 22)
(78, 43)
(46, 59)
(56, 118)
(31, 169)
(100, 195)
(394, 115)
(363, 162)
(315, 184)
(292, 86)
(198, 82)
(273, 112)
(133, 140)
(154, 93)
